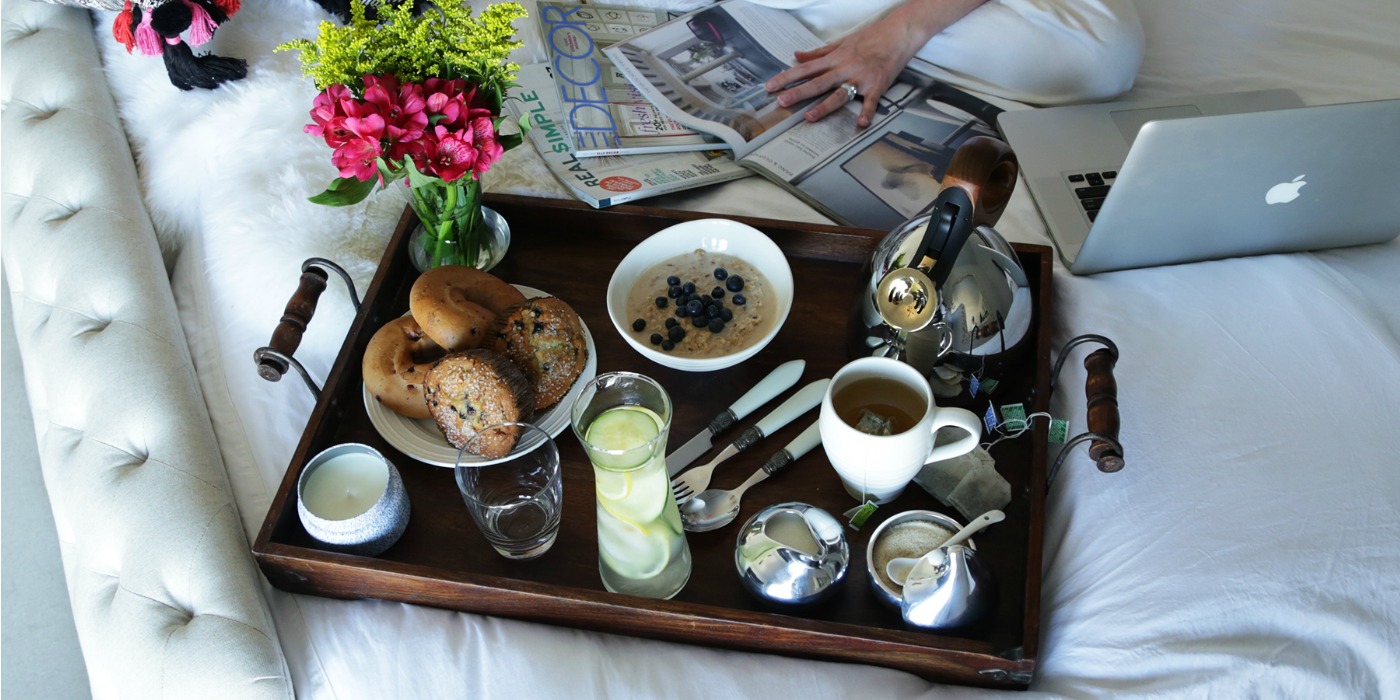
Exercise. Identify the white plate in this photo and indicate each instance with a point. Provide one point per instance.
(421, 439)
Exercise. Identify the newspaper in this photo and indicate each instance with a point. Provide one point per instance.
(707, 71)
(603, 114)
(609, 180)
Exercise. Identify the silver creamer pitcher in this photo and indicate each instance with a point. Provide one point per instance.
(945, 292)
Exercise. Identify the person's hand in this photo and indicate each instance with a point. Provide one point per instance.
(869, 59)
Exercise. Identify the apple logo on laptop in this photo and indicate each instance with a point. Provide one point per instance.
(1285, 192)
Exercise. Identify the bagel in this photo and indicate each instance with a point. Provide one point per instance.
(545, 339)
(469, 391)
(457, 305)
(395, 364)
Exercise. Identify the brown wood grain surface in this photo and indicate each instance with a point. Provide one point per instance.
(570, 251)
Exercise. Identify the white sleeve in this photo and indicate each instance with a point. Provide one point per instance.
(1033, 51)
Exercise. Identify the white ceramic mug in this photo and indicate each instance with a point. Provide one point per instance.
(878, 467)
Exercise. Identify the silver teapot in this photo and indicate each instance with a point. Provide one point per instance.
(945, 291)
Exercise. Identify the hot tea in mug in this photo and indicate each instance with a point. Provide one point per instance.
(879, 406)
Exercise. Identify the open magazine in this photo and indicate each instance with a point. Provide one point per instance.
(608, 180)
(707, 71)
(602, 113)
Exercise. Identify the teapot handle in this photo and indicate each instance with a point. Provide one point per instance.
(985, 168)
(976, 189)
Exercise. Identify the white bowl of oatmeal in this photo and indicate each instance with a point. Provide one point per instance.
(732, 294)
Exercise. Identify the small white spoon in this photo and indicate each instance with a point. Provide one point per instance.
(898, 569)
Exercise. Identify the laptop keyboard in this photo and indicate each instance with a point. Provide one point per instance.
(1091, 189)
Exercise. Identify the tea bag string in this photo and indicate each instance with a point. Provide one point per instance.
(1005, 432)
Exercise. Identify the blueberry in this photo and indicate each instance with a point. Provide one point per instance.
(662, 302)
(682, 310)
(670, 322)
(694, 306)
(674, 291)
(713, 312)
(667, 345)
(717, 292)
(699, 320)
(656, 339)
(673, 281)
(739, 300)
(639, 324)
(726, 314)
(721, 273)
(688, 288)
(696, 297)
(734, 283)
(716, 325)
(676, 333)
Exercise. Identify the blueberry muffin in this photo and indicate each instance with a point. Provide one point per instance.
(545, 339)
(469, 391)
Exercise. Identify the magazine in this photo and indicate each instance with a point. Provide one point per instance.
(609, 180)
(707, 70)
(603, 114)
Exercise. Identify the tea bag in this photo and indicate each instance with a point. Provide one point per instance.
(873, 423)
(970, 482)
(982, 489)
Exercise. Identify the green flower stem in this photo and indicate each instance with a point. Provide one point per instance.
(471, 245)
(444, 228)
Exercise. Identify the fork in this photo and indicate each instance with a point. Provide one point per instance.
(696, 480)
(693, 481)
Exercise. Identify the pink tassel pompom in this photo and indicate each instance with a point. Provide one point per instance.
(147, 40)
(202, 26)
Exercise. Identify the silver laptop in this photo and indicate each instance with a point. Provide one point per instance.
(1139, 184)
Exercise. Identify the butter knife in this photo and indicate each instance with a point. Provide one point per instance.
(779, 380)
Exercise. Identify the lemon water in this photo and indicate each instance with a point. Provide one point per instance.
(641, 544)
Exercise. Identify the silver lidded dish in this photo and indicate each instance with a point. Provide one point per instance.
(887, 591)
(792, 554)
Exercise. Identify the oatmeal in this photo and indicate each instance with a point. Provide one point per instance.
(700, 305)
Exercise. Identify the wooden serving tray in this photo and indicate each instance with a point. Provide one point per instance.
(569, 250)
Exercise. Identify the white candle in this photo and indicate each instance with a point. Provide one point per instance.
(345, 486)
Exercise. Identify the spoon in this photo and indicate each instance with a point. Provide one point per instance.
(898, 568)
(714, 508)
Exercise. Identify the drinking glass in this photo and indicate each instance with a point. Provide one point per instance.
(623, 420)
(516, 500)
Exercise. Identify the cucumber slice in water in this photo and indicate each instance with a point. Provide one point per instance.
(622, 429)
(632, 551)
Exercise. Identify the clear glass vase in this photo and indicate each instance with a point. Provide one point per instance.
(454, 228)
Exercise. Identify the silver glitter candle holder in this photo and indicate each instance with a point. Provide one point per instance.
(352, 523)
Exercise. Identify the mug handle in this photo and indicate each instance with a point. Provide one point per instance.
(958, 418)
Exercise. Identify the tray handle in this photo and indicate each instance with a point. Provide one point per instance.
(274, 359)
(1101, 391)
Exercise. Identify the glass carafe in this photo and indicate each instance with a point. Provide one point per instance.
(623, 420)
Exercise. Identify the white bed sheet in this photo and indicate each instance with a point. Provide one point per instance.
(1248, 549)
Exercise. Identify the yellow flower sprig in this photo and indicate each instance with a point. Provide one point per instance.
(444, 41)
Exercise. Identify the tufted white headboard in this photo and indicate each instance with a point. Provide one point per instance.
(165, 594)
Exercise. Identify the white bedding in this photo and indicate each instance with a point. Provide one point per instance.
(1248, 549)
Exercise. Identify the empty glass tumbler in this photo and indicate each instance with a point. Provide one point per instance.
(516, 500)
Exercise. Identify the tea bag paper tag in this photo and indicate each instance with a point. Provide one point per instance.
(990, 418)
(872, 423)
(1059, 430)
(1014, 416)
(861, 513)
(976, 384)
